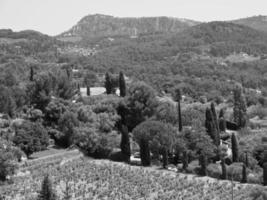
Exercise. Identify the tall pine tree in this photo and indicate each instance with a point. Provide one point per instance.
(122, 85)
(108, 83)
(222, 121)
(31, 74)
(88, 91)
(240, 108)
(178, 98)
(211, 127)
(235, 148)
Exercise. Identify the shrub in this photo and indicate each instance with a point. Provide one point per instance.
(214, 170)
(252, 162)
(31, 137)
(118, 156)
(235, 171)
(8, 160)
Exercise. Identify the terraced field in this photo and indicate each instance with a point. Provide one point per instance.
(101, 179)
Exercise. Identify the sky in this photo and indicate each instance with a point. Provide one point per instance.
(53, 17)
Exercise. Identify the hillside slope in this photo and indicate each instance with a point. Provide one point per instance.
(103, 26)
(256, 22)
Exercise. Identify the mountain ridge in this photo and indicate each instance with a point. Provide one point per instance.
(105, 25)
(256, 22)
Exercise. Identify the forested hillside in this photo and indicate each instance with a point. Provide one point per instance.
(256, 22)
(98, 25)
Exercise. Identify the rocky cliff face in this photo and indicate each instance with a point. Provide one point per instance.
(103, 26)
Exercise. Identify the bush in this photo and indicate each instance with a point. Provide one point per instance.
(214, 170)
(255, 178)
(31, 137)
(9, 156)
(252, 162)
(235, 171)
(118, 156)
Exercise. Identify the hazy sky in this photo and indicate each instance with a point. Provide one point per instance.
(55, 16)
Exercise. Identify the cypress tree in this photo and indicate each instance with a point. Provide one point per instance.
(88, 92)
(185, 160)
(145, 153)
(224, 170)
(47, 192)
(178, 98)
(222, 122)
(240, 109)
(125, 139)
(265, 174)
(68, 72)
(244, 174)
(211, 127)
(216, 124)
(108, 83)
(246, 162)
(125, 142)
(165, 158)
(235, 148)
(214, 116)
(203, 164)
(122, 85)
(31, 74)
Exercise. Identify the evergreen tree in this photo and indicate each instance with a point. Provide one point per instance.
(31, 74)
(244, 174)
(240, 109)
(211, 127)
(88, 92)
(122, 85)
(125, 139)
(68, 72)
(145, 152)
(222, 121)
(165, 158)
(185, 160)
(224, 170)
(216, 124)
(125, 143)
(214, 116)
(47, 192)
(235, 148)
(108, 83)
(178, 98)
(203, 163)
(265, 174)
(247, 163)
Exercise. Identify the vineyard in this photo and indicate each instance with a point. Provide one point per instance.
(83, 178)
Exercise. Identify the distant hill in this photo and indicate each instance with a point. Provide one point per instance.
(102, 26)
(256, 22)
(26, 34)
(222, 38)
